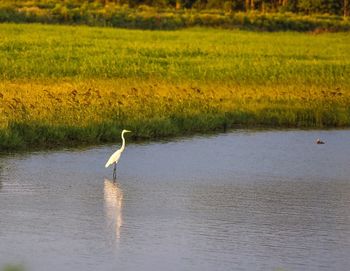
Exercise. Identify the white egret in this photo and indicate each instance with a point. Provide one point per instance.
(115, 156)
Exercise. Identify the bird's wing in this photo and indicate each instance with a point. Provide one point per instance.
(114, 158)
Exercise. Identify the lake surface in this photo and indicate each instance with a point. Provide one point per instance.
(245, 200)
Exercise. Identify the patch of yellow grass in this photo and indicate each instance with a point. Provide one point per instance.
(97, 101)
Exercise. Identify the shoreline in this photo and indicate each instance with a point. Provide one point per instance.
(175, 138)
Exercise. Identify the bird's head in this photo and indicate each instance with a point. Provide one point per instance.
(126, 131)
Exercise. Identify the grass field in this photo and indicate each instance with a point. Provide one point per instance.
(64, 85)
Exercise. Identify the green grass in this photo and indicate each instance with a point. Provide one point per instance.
(52, 52)
(73, 84)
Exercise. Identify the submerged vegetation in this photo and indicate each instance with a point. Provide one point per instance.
(59, 87)
(9, 267)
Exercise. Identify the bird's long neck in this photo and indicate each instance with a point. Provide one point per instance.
(123, 145)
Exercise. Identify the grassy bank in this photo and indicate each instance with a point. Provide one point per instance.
(71, 85)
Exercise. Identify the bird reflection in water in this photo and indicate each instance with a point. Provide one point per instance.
(113, 199)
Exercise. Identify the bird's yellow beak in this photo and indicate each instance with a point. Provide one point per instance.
(127, 131)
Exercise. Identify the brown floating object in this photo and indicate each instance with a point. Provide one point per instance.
(319, 141)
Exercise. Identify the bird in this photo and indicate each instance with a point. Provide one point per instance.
(116, 155)
(319, 141)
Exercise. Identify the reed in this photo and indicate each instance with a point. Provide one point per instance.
(62, 88)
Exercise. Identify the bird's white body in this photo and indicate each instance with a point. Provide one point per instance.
(114, 159)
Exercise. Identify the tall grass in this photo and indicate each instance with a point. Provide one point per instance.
(42, 52)
(71, 85)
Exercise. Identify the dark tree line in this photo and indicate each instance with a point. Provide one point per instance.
(337, 7)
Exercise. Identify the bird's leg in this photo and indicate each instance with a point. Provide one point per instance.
(115, 172)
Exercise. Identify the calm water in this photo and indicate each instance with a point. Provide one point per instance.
(237, 201)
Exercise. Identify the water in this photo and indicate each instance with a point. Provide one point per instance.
(237, 201)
